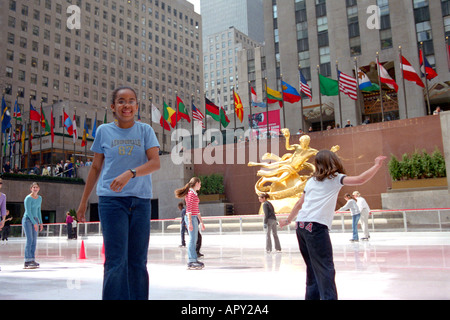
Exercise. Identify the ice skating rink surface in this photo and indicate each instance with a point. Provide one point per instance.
(391, 266)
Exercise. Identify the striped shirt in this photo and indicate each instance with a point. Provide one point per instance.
(192, 202)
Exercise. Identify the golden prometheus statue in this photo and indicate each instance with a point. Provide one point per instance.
(284, 180)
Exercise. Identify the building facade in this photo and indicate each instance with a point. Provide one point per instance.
(80, 51)
(322, 37)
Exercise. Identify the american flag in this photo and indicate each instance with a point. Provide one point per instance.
(304, 87)
(348, 85)
(197, 115)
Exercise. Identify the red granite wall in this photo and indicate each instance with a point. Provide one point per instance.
(359, 146)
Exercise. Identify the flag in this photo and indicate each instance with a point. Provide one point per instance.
(182, 112)
(94, 129)
(290, 94)
(217, 114)
(75, 132)
(52, 126)
(238, 107)
(68, 124)
(386, 78)
(426, 68)
(6, 117)
(34, 115)
(169, 115)
(22, 141)
(274, 97)
(348, 85)
(304, 87)
(255, 102)
(44, 123)
(197, 115)
(224, 118)
(85, 134)
(17, 114)
(156, 115)
(365, 84)
(409, 73)
(328, 87)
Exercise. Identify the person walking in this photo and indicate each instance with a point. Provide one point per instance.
(31, 224)
(126, 153)
(353, 207)
(270, 223)
(69, 220)
(315, 212)
(193, 218)
(182, 224)
(365, 212)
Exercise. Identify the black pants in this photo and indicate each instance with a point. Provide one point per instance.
(316, 249)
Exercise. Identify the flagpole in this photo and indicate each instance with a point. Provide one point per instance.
(16, 105)
(234, 99)
(250, 99)
(267, 113)
(206, 120)
(447, 42)
(282, 98)
(1, 134)
(192, 124)
(85, 137)
(51, 150)
(164, 129)
(339, 94)
(63, 126)
(381, 89)
(30, 144)
(301, 101)
(426, 78)
(358, 92)
(320, 98)
(403, 80)
(75, 141)
(40, 138)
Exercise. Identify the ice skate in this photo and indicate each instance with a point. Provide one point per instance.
(195, 265)
(31, 265)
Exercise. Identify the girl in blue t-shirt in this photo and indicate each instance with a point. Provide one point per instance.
(126, 152)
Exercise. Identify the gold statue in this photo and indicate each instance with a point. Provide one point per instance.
(283, 180)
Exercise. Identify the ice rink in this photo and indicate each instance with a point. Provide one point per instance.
(391, 266)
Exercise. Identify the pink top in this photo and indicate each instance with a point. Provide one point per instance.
(192, 202)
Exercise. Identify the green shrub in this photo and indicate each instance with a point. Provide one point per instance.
(418, 166)
(212, 184)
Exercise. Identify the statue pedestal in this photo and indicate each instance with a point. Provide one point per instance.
(282, 206)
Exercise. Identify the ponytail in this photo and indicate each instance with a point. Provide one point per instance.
(182, 192)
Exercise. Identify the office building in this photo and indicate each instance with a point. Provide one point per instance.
(322, 36)
(78, 51)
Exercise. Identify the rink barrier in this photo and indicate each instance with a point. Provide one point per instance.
(433, 219)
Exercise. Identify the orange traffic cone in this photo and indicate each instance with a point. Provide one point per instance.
(82, 251)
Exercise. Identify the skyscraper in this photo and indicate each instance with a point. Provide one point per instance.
(58, 50)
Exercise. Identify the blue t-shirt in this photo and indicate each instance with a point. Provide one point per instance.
(124, 149)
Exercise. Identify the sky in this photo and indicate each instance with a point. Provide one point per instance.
(196, 5)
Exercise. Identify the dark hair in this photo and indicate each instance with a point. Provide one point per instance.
(348, 195)
(114, 93)
(264, 195)
(328, 165)
(182, 192)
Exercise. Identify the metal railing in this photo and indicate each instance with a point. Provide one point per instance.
(435, 219)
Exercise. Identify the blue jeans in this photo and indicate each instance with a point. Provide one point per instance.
(193, 235)
(355, 220)
(316, 249)
(31, 234)
(126, 233)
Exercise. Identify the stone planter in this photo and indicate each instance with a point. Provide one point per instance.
(212, 198)
(419, 183)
